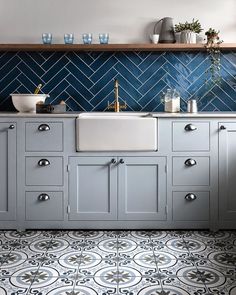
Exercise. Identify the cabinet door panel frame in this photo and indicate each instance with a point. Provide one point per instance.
(157, 196)
(10, 154)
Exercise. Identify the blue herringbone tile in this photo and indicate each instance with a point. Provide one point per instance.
(11, 88)
(126, 62)
(129, 87)
(148, 59)
(50, 59)
(34, 66)
(152, 68)
(6, 80)
(100, 59)
(128, 75)
(85, 79)
(153, 92)
(101, 83)
(77, 73)
(80, 64)
(179, 77)
(159, 74)
(79, 87)
(105, 92)
(197, 59)
(109, 63)
(134, 57)
(177, 64)
(9, 65)
(55, 69)
(55, 80)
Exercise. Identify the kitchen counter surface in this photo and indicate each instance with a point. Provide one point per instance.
(154, 114)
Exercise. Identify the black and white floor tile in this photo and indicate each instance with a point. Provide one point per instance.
(118, 262)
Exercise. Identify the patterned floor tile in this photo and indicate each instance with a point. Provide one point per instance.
(183, 286)
(118, 262)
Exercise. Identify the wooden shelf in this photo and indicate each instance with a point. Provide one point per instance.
(111, 47)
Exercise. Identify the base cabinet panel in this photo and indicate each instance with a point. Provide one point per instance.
(227, 171)
(142, 188)
(191, 206)
(7, 171)
(92, 188)
(44, 206)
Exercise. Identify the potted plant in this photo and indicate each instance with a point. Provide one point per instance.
(213, 50)
(212, 36)
(188, 31)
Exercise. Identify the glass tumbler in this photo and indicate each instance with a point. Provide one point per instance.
(104, 38)
(87, 38)
(69, 38)
(47, 38)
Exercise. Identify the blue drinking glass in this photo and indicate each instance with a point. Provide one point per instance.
(69, 38)
(87, 38)
(47, 38)
(104, 38)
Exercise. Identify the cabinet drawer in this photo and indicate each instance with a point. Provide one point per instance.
(190, 207)
(191, 170)
(44, 170)
(44, 136)
(191, 136)
(44, 206)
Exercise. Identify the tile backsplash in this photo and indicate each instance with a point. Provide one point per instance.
(85, 80)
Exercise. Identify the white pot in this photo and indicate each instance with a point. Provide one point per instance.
(26, 103)
(188, 37)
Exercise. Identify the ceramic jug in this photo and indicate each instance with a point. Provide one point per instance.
(167, 34)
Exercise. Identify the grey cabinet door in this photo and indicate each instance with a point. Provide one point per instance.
(92, 188)
(227, 171)
(7, 171)
(141, 188)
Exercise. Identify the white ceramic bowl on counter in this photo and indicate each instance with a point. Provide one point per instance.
(26, 103)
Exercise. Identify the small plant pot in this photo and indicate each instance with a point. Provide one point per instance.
(212, 39)
(188, 37)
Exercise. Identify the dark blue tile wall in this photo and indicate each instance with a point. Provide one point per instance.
(85, 80)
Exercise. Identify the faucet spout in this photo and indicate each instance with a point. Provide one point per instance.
(116, 91)
(116, 105)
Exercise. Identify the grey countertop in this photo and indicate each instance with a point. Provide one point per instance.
(154, 114)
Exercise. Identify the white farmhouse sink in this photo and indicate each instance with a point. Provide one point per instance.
(127, 131)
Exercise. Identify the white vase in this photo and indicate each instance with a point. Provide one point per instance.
(188, 37)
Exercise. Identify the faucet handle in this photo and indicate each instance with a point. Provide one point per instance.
(123, 106)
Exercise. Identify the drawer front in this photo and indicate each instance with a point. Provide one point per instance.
(44, 136)
(189, 206)
(44, 206)
(44, 170)
(191, 170)
(191, 136)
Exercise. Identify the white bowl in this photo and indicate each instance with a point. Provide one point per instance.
(26, 103)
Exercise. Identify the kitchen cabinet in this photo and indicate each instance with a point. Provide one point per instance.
(142, 188)
(187, 183)
(227, 171)
(114, 188)
(7, 170)
(92, 188)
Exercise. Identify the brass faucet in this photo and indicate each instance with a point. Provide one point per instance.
(116, 105)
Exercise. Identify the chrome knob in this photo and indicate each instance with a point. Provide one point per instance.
(190, 127)
(222, 127)
(190, 197)
(43, 197)
(113, 161)
(43, 162)
(12, 126)
(190, 162)
(44, 127)
(122, 161)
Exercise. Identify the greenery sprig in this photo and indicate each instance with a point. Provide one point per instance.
(213, 49)
(194, 26)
